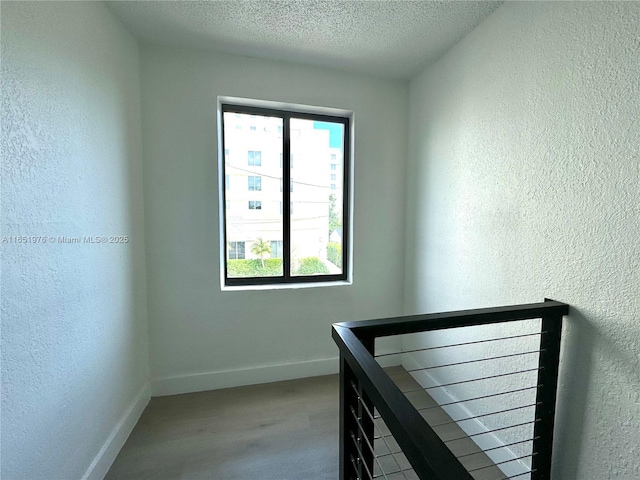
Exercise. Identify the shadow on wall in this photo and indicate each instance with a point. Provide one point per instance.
(575, 397)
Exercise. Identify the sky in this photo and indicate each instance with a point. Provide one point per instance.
(335, 132)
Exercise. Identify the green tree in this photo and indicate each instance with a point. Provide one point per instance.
(261, 247)
(334, 219)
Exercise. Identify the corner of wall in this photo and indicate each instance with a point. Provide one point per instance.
(106, 456)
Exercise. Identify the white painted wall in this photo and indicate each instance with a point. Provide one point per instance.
(524, 182)
(74, 331)
(201, 337)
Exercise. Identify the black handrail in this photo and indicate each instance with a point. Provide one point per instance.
(414, 436)
(384, 327)
(428, 455)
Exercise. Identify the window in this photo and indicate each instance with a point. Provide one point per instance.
(255, 184)
(227, 182)
(310, 246)
(236, 250)
(276, 249)
(255, 158)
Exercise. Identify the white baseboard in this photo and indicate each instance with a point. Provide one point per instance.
(199, 382)
(109, 451)
(470, 427)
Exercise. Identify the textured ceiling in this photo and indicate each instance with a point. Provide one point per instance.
(382, 38)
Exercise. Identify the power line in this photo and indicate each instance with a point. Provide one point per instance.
(261, 174)
(267, 221)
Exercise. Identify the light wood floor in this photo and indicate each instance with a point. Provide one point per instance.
(277, 431)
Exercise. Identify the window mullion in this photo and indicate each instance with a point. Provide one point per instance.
(286, 197)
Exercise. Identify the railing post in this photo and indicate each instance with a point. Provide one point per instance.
(348, 400)
(546, 397)
(368, 426)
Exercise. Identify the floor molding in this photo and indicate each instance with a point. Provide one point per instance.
(199, 382)
(109, 451)
(490, 440)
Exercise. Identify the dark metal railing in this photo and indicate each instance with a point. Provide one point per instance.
(384, 435)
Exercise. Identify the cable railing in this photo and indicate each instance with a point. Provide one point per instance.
(471, 395)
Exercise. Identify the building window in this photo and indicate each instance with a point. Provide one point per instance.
(236, 251)
(313, 246)
(276, 249)
(255, 184)
(255, 158)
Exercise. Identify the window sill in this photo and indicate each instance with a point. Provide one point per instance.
(285, 286)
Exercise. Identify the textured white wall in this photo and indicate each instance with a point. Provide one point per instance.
(524, 182)
(74, 341)
(202, 337)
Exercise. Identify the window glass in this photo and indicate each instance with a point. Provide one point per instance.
(252, 176)
(317, 202)
(255, 183)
